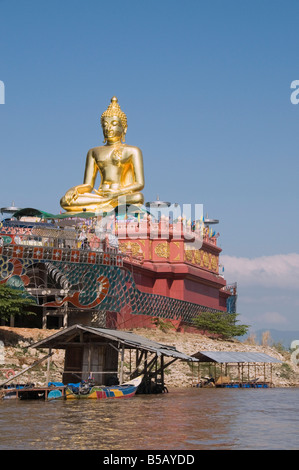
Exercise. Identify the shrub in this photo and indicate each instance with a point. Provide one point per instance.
(220, 323)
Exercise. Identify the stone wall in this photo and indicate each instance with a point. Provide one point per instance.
(18, 355)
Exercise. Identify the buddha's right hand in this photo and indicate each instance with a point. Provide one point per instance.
(71, 195)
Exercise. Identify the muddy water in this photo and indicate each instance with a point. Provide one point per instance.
(185, 419)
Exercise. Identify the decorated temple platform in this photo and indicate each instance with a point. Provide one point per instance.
(113, 271)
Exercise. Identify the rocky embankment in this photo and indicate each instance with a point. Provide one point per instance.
(17, 356)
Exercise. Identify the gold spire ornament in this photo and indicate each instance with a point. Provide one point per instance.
(119, 165)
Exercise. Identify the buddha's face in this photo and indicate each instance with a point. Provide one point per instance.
(112, 128)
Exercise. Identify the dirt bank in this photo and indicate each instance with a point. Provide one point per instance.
(18, 355)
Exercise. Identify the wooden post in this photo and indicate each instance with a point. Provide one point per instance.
(130, 361)
(48, 366)
(271, 384)
(192, 370)
(264, 372)
(162, 370)
(89, 360)
(147, 379)
(122, 363)
(138, 361)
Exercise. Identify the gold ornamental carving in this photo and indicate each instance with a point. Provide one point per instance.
(197, 256)
(162, 250)
(214, 263)
(134, 247)
(178, 256)
(206, 260)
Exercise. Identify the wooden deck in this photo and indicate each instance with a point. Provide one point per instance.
(31, 393)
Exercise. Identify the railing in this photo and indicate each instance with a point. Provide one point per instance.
(51, 253)
(231, 288)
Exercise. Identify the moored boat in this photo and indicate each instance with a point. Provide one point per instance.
(86, 391)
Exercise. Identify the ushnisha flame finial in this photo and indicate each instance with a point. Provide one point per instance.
(114, 110)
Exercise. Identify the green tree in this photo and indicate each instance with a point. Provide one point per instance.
(13, 302)
(220, 323)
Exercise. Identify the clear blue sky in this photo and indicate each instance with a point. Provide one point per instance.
(206, 88)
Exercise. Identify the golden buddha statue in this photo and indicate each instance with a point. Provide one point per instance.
(119, 165)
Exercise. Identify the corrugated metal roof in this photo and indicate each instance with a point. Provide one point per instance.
(134, 340)
(234, 357)
(125, 337)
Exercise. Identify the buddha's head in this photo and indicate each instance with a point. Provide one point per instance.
(114, 122)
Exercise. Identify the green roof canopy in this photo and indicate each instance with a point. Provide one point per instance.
(31, 212)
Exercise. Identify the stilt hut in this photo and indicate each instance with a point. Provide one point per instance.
(100, 353)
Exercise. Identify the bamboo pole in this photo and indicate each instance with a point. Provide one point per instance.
(25, 370)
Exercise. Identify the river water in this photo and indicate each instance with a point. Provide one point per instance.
(183, 419)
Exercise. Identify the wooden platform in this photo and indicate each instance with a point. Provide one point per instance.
(30, 393)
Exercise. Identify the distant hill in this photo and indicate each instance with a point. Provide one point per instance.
(276, 336)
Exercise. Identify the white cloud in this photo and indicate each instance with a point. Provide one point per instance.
(266, 271)
(273, 318)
